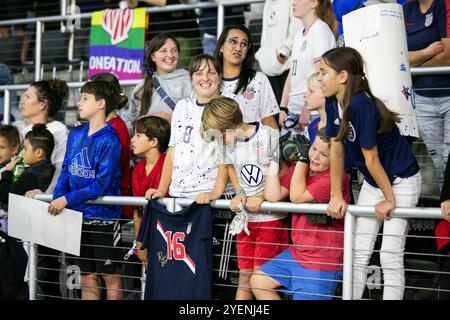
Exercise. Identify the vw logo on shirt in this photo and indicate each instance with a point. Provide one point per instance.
(251, 174)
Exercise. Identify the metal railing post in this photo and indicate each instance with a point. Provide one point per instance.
(32, 272)
(7, 107)
(347, 280)
(220, 18)
(38, 55)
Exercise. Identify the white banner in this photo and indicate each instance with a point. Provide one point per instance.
(378, 33)
(29, 220)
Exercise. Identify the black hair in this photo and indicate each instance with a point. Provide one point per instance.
(247, 71)
(122, 99)
(154, 127)
(53, 92)
(41, 137)
(11, 134)
(102, 90)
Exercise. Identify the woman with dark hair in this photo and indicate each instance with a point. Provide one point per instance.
(124, 137)
(360, 124)
(235, 53)
(40, 104)
(164, 84)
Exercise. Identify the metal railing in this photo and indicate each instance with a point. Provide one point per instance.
(175, 204)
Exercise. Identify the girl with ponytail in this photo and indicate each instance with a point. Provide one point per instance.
(360, 124)
(164, 85)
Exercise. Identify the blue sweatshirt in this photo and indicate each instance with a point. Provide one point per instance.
(91, 169)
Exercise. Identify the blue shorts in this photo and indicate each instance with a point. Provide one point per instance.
(299, 282)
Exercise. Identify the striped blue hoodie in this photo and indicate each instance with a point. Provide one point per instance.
(91, 169)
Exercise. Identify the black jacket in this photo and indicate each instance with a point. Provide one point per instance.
(36, 176)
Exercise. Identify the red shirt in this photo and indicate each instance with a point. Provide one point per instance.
(141, 182)
(125, 140)
(317, 246)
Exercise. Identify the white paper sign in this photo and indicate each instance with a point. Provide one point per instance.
(378, 33)
(29, 220)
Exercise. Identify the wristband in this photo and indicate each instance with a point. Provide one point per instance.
(240, 191)
(284, 109)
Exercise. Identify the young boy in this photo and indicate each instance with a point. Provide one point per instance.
(9, 146)
(91, 169)
(249, 148)
(310, 268)
(150, 140)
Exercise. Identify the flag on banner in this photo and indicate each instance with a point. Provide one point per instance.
(117, 42)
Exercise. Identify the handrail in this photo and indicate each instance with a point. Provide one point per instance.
(349, 222)
(169, 8)
(317, 208)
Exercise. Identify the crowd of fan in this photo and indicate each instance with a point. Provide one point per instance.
(221, 129)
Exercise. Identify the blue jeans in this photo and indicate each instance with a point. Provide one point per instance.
(433, 117)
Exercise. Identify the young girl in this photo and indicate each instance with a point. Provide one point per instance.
(164, 84)
(315, 101)
(309, 45)
(191, 165)
(311, 266)
(151, 137)
(124, 137)
(236, 55)
(249, 149)
(359, 121)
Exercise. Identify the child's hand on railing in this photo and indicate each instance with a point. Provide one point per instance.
(153, 194)
(445, 209)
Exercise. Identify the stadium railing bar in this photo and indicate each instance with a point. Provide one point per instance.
(175, 204)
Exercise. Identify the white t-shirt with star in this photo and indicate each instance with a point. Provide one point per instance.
(309, 46)
(251, 158)
(195, 162)
(257, 101)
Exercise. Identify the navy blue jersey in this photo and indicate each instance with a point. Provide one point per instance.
(422, 29)
(394, 152)
(180, 252)
(91, 169)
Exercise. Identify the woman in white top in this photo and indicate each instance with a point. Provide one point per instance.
(39, 104)
(251, 89)
(310, 43)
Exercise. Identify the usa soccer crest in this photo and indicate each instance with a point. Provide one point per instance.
(351, 132)
(249, 94)
(428, 19)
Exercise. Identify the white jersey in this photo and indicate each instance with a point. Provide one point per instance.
(251, 158)
(195, 161)
(309, 46)
(257, 101)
